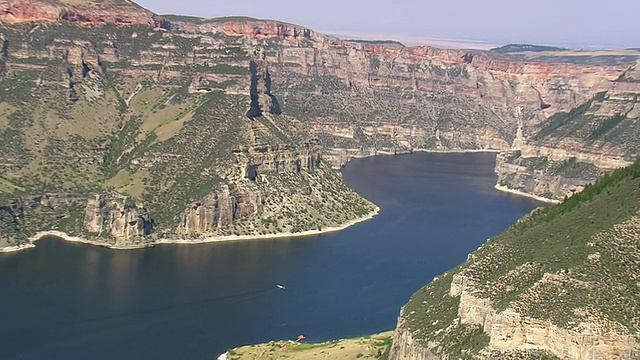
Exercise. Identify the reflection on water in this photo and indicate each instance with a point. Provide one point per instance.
(66, 300)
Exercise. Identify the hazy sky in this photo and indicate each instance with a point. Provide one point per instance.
(577, 23)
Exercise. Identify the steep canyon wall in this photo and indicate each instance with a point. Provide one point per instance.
(202, 122)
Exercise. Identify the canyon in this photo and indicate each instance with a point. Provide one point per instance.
(282, 99)
(127, 128)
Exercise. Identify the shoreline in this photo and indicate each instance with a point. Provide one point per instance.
(225, 238)
(409, 152)
(460, 151)
(40, 234)
(525, 194)
(16, 248)
(222, 238)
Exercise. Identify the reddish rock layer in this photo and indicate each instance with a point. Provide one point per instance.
(116, 12)
(264, 29)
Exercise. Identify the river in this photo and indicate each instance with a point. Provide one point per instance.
(64, 300)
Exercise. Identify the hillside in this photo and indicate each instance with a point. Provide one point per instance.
(560, 283)
(509, 48)
(114, 133)
(125, 128)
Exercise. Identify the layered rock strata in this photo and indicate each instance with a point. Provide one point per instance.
(118, 217)
(109, 11)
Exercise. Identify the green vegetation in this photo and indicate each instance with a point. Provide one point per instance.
(184, 18)
(606, 126)
(622, 181)
(558, 120)
(7, 186)
(510, 48)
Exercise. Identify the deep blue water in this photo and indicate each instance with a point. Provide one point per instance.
(73, 301)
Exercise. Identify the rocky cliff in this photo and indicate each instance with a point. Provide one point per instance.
(217, 210)
(369, 98)
(362, 98)
(118, 218)
(560, 283)
(83, 12)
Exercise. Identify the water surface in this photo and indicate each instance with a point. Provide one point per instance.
(65, 300)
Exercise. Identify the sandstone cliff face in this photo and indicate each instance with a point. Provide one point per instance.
(265, 29)
(405, 347)
(245, 193)
(220, 209)
(511, 333)
(117, 217)
(510, 330)
(478, 75)
(545, 176)
(277, 159)
(112, 11)
(248, 27)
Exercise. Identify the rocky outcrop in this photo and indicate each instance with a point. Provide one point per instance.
(277, 159)
(248, 27)
(214, 211)
(509, 330)
(512, 333)
(242, 197)
(544, 177)
(258, 29)
(262, 100)
(220, 209)
(405, 347)
(118, 217)
(87, 12)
